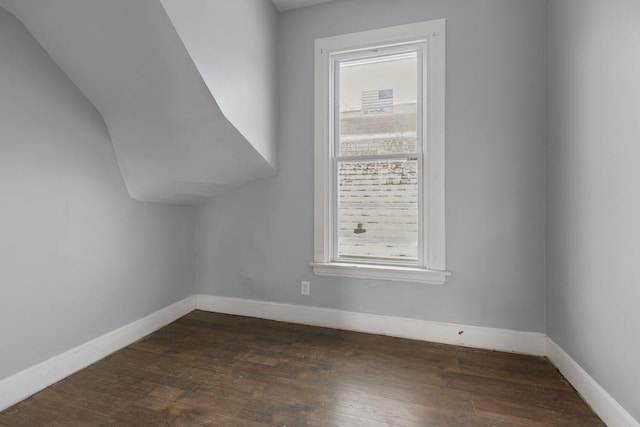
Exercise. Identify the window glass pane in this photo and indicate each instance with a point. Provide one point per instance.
(377, 105)
(378, 210)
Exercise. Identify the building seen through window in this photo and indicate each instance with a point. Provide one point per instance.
(377, 158)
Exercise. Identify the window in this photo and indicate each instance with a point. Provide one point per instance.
(379, 154)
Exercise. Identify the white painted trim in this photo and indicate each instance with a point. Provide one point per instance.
(431, 36)
(23, 384)
(380, 272)
(607, 408)
(447, 333)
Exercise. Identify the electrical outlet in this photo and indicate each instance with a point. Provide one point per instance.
(305, 288)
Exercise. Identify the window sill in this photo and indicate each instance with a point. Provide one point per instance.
(380, 272)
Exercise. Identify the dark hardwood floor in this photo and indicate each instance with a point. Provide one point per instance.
(218, 370)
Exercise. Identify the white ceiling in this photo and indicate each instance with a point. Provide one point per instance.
(283, 5)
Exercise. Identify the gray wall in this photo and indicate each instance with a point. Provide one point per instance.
(78, 257)
(257, 241)
(593, 291)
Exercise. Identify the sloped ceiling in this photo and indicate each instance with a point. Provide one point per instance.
(175, 143)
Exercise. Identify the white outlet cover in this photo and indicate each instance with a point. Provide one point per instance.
(305, 287)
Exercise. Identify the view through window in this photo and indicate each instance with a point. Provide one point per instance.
(378, 152)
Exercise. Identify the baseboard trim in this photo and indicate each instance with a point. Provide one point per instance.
(23, 384)
(447, 333)
(607, 408)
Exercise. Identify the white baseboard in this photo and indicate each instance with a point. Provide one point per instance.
(23, 384)
(602, 403)
(611, 412)
(447, 333)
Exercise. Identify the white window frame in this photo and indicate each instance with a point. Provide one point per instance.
(432, 268)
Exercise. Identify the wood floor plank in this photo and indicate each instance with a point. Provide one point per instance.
(210, 369)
